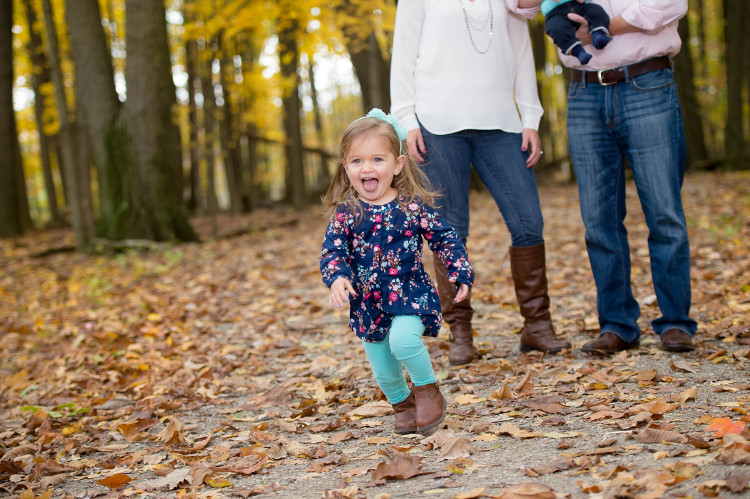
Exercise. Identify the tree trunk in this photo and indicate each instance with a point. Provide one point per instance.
(228, 133)
(370, 65)
(324, 173)
(691, 110)
(209, 118)
(295, 173)
(120, 214)
(194, 182)
(67, 135)
(733, 43)
(14, 206)
(41, 76)
(155, 137)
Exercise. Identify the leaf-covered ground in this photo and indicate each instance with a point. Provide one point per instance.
(217, 370)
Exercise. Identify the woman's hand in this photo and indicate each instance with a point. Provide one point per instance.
(415, 144)
(530, 142)
(339, 290)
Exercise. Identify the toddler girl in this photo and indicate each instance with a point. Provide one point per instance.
(372, 258)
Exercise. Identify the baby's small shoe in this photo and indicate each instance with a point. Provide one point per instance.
(600, 39)
(582, 55)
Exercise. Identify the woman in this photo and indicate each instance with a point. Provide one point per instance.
(463, 84)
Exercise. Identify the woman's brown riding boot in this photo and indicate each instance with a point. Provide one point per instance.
(406, 415)
(430, 407)
(529, 272)
(457, 315)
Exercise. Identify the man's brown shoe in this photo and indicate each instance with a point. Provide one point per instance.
(676, 340)
(609, 343)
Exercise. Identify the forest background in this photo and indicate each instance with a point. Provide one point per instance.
(123, 118)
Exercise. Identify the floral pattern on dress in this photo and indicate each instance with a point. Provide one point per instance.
(381, 254)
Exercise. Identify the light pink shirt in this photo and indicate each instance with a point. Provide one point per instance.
(658, 18)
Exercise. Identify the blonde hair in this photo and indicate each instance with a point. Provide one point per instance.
(411, 183)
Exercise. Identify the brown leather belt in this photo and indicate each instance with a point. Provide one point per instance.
(610, 76)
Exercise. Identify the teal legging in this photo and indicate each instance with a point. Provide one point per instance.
(402, 346)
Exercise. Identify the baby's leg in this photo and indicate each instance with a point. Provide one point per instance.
(563, 32)
(598, 24)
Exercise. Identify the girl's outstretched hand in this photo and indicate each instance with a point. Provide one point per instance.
(339, 290)
(463, 291)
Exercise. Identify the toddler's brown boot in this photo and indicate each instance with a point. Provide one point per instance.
(430, 407)
(406, 415)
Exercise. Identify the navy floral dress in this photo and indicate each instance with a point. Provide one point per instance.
(381, 254)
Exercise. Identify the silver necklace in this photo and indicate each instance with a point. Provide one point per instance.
(470, 23)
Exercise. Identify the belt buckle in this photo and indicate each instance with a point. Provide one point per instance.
(599, 76)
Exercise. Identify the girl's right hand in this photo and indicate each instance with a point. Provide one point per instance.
(339, 290)
(415, 144)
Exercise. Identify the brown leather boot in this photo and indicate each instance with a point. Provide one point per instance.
(457, 315)
(406, 415)
(430, 407)
(529, 272)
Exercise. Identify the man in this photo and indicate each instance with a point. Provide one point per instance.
(623, 105)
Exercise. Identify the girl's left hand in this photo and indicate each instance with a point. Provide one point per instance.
(463, 291)
(530, 142)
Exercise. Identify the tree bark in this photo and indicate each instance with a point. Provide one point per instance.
(691, 110)
(67, 135)
(209, 118)
(41, 76)
(371, 66)
(155, 137)
(289, 60)
(733, 43)
(15, 218)
(228, 133)
(194, 182)
(121, 215)
(324, 174)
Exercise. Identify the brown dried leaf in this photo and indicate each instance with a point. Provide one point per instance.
(115, 481)
(172, 434)
(650, 435)
(504, 392)
(402, 467)
(527, 490)
(525, 386)
(371, 410)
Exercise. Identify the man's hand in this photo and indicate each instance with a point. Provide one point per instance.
(582, 33)
(339, 290)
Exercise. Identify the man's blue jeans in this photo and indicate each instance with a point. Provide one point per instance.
(639, 120)
(500, 164)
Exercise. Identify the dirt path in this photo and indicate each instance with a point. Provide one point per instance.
(218, 371)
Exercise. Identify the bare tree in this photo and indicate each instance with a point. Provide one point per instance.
(67, 136)
(14, 205)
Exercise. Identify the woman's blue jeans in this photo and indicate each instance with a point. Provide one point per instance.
(640, 121)
(500, 164)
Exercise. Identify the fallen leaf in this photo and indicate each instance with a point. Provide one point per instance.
(402, 467)
(527, 490)
(115, 481)
(722, 426)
